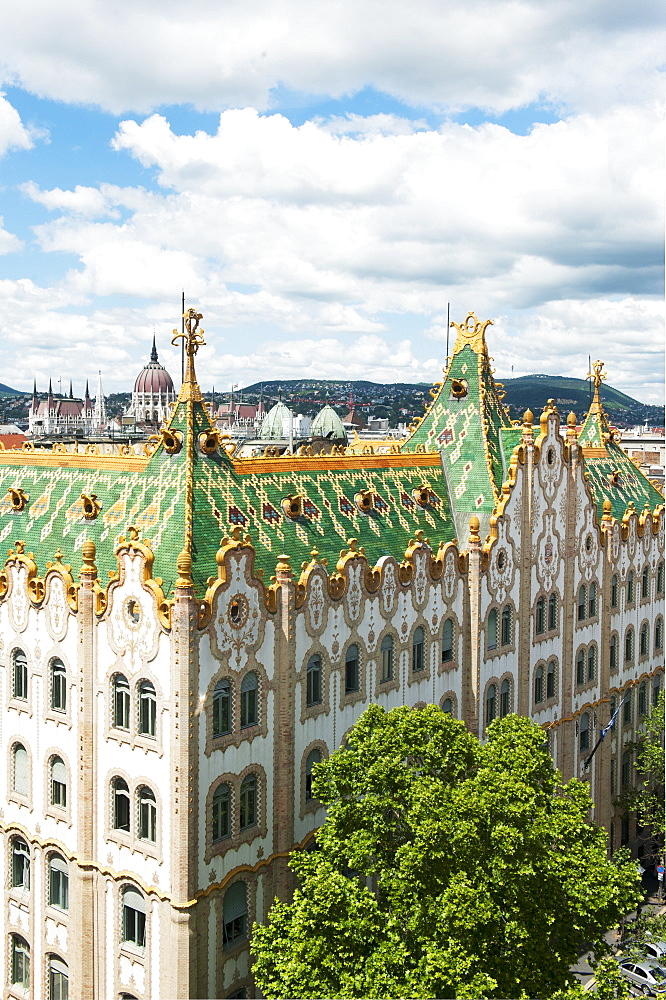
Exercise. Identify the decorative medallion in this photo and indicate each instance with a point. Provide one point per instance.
(238, 611)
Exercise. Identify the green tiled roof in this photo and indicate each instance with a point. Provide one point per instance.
(632, 486)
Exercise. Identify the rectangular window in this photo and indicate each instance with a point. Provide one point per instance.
(58, 888)
(613, 777)
(134, 926)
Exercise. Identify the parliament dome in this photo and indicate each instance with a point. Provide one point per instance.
(154, 378)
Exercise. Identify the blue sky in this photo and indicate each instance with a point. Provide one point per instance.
(322, 186)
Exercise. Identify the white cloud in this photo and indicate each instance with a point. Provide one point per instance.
(497, 54)
(13, 133)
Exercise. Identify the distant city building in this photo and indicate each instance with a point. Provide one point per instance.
(153, 395)
(60, 415)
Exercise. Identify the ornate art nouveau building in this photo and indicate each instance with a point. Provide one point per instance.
(165, 694)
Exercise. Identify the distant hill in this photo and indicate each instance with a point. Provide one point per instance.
(529, 391)
(6, 390)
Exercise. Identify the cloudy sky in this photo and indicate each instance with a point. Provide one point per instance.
(322, 178)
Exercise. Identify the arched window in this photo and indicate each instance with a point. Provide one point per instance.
(121, 702)
(234, 925)
(642, 699)
(629, 645)
(540, 616)
(248, 802)
(630, 588)
(613, 705)
(613, 652)
(248, 701)
(313, 681)
(387, 658)
(660, 578)
(58, 882)
(58, 783)
(585, 731)
(418, 644)
(20, 863)
(644, 640)
(656, 688)
(505, 698)
(538, 686)
(147, 709)
(314, 757)
(147, 815)
(659, 634)
(20, 962)
(613, 593)
(221, 814)
(591, 662)
(645, 583)
(21, 774)
(626, 768)
(58, 979)
(491, 633)
(580, 666)
(58, 686)
(121, 804)
(351, 669)
(507, 623)
(447, 706)
(592, 601)
(552, 612)
(626, 708)
(447, 641)
(134, 917)
(491, 704)
(20, 689)
(582, 603)
(550, 680)
(222, 708)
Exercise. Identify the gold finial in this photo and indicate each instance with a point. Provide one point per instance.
(528, 418)
(474, 525)
(314, 553)
(283, 569)
(471, 332)
(608, 510)
(88, 553)
(193, 341)
(184, 567)
(571, 421)
(597, 374)
(20, 546)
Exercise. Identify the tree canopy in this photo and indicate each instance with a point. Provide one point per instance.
(445, 868)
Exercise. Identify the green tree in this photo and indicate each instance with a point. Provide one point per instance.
(445, 868)
(649, 763)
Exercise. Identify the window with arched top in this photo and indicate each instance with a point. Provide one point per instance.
(248, 802)
(550, 680)
(249, 706)
(221, 813)
(447, 706)
(58, 783)
(505, 698)
(656, 688)
(20, 970)
(20, 769)
(58, 882)
(592, 601)
(552, 612)
(659, 634)
(20, 676)
(221, 722)
(20, 863)
(447, 641)
(584, 731)
(418, 650)
(614, 592)
(121, 804)
(630, 588)
(645, 583)
(133, 917)
(626, 768)
(234, 920)
(147, 815)
(314, 757)
(580, 666)
(642, 699)
(58, 686)
(352, 677)
(507, 625)
(629, 645)
(147, 710)
(58, 979)
(491, 630)
(538, 686)
(540, 616)
(644, 640)
(626, 708)
(313, 694)
(491, 703)
(582, 602)
(613, 658)
(387, 651)
(591, 662)
(660, 578)
(121, 702)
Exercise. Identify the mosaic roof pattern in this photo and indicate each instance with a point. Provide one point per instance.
(614, 477)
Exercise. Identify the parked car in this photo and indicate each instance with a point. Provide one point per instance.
(648, 976)
(655, 950)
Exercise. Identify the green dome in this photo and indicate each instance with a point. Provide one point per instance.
(272, 426)
(327, 424)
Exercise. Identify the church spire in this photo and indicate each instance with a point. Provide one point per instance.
(71, 390)
(153, 353)
(99, 412)
(596, 432)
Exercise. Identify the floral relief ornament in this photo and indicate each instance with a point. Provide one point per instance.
(316, 603)
(56, 608)
(450, 575)
(389, 587)
(501, 565)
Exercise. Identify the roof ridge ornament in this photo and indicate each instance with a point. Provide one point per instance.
(472, 332)
(194, 339)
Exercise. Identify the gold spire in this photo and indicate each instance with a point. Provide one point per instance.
(193, 341)
(597, 375)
